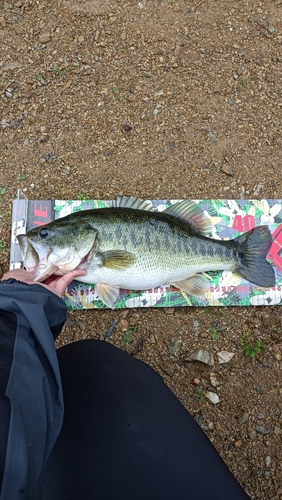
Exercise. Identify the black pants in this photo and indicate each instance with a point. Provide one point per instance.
(126, 436)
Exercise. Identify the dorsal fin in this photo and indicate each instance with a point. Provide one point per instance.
(132, 202)
(190, 212)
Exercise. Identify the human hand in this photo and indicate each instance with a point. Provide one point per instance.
(55, 284)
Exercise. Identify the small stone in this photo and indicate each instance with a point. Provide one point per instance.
(2, 22)
(11, 66)
(152, 339)
(9, 95)
(238, 443)
(262, 430)
(213, 397)
(168, 369)
(204, 356)
(199, 418)
(240, 70)
(82, 325)
(277, 431)
(213, 379)
(174, 347)
(267, 461)
(220, 430)
(196, 324)
(127, 128)
(16, 123)
(243, 419)
(260, 416)
(258, 389)
(251, 433)
(123, 36)
(226, 169)
(122, 326)
(169, 310)
(45, 37)
(224, 356)
(266, 474)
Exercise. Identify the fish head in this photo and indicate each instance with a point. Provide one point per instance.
(57, 248)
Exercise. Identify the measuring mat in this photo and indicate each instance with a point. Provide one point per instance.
(229, 218)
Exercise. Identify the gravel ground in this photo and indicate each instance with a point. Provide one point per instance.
(159, 99)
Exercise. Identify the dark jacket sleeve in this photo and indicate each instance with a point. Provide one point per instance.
(31, 401)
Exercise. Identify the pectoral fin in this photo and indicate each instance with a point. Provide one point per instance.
(117, 259)
(107, 293)
(195, 285)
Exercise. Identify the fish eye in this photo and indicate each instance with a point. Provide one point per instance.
(44, 233)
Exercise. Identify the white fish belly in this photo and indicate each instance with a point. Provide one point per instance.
(146, 274)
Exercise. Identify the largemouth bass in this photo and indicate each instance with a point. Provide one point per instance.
(132, 246)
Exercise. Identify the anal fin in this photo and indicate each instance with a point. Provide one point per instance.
(196, 285)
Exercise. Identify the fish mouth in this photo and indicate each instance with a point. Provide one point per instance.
(32, 260)
(35, 260)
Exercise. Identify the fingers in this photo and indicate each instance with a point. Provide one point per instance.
(56, 284)
(61, 283)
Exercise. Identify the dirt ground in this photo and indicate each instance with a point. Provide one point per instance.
(158, 99)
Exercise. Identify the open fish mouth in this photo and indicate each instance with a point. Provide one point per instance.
(35, 260)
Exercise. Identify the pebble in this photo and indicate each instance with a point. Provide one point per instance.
(11, 66)
(213, 379)
(16, 123)
(204, 356)
(277, 431)
(9, 95)
(260, 416)
(195, 325)
(243, 419)
(213, 397)
(267, 461)
(45, 37)
(168, 369)
(238, 443)
(174, 347)
(199, 418)
(224, 356)
(266, 474)
(226, 169)
(258, 389)
(251, 433)
(262, 430)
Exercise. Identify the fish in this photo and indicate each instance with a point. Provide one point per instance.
(131, 245)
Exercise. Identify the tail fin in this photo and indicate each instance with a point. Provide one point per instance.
(253, 249)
